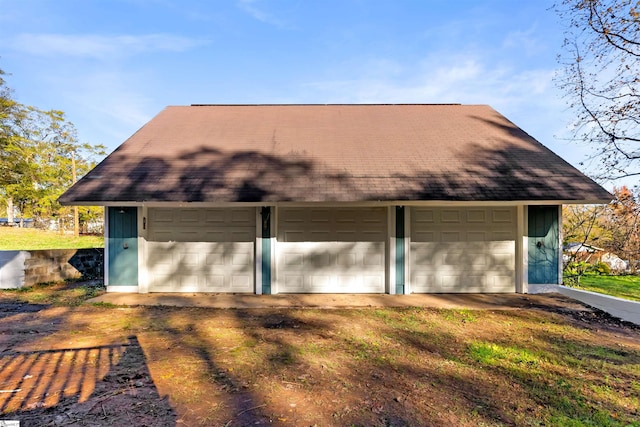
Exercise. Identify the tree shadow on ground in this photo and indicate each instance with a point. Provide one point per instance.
(220, 393)
(103, 385)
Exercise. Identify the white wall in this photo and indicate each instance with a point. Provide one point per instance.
(12, 269)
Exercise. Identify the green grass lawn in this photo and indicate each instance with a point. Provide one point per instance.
(13, 238)
(627, 287)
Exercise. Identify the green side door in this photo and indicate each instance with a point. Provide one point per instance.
(122, 244)
(543, 244)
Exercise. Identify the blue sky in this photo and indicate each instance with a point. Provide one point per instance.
(112, 65)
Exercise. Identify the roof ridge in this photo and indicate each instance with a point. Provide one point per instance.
(322, 105)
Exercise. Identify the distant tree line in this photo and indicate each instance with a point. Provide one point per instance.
(40, 157)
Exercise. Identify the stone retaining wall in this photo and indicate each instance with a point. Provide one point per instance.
(27, 268)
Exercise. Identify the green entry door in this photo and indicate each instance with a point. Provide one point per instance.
(543, 244)
(123, 246)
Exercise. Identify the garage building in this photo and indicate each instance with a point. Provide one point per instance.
(333, 199)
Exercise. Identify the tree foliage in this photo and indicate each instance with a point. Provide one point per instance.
(622, 223)
(38, 150)
(614, 227)
(601, 78)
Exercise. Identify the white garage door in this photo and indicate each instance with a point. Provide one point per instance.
(331, 250)
(463, 250)
(201, 250)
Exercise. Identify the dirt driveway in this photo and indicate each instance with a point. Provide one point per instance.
(548, 361)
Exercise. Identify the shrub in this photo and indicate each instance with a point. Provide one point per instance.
(600, 268)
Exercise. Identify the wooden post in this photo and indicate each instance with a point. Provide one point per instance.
(76, 219)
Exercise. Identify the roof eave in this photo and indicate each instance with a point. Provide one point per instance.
(586, 201)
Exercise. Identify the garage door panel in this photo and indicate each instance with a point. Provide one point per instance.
(348, 235)
(503, 216)
(293, 236)
(465, 259)
(214, 216)
(502, 235)
(319, 215)
(244, 217)
(476, 282)
(450, 236)
(450, 216)
(317, 260)
(201, 250)
(462, 250)
(321, 281)
(159, 216)
(189, 216)
(189, 259)
(304, 225)
(320, 236)
(241, 282)
(215, 259)
(373, 284)
(347, 260)
(241, 235)
(164, 283)
(160, 257)
(292, 259)
(423, 215)
(374, 259)
(450, 283)
(457, 283)
(424, 236)
(213, 236)
(293, 282)
(425, 254)
(478, 236)
(331, 250)
(476, 215)
(502, 283)
(212, 282)
(161, 236)
(241, 259)
(422, 280)
(287, 216)
(505, 260)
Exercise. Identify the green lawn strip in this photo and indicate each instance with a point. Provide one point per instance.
(14, 239)
(627, 287)
(571, 396)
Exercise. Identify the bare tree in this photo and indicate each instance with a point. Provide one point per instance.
(601, 79)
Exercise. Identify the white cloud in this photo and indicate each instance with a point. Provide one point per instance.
(456, 78)
(250, 6)
(111, 104)
(100, 47)
(527, 41)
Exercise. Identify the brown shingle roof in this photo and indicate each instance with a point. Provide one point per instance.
(316, 153)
